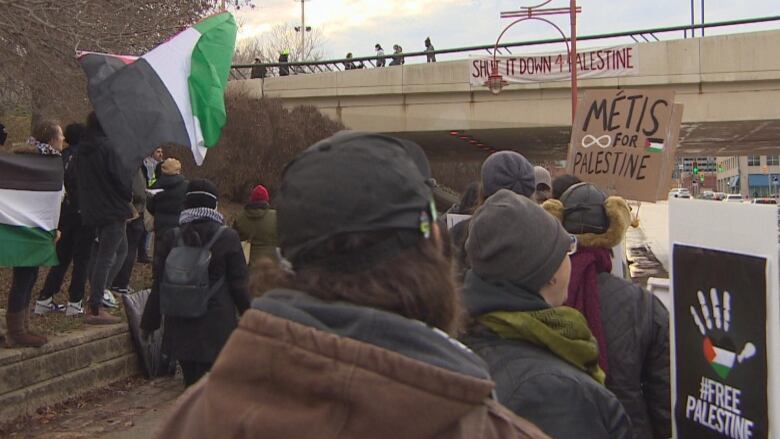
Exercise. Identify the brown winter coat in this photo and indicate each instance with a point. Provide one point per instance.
(277, 378)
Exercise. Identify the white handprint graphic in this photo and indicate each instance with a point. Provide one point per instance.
(721, 352)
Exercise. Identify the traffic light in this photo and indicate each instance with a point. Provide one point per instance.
(695, 168)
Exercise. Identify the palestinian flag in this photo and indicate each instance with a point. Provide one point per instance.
(721, 360)
(30, 195)
(172, 94)
(654, 145)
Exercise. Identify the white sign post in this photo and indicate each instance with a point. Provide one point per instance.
(725, 342)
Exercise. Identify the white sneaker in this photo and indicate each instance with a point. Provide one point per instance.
(74, 309)
(47, 306)
(109, 301)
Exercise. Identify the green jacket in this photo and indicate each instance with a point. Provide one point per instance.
(257, 224)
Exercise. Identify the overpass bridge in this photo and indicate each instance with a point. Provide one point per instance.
(729, 84)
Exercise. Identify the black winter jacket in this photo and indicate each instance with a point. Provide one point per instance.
(202, 338)
(533, 382)
(166, 206)
(104, 192)
(636, 328)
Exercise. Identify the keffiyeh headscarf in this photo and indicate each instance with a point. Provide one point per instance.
(43, 148)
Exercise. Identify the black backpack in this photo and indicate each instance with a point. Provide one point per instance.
(185, 288)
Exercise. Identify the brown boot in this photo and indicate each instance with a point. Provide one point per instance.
(101, 317)
(17, 336)
(27, 326)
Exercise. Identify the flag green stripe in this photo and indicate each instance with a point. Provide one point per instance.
(211, 59)
(26, 247)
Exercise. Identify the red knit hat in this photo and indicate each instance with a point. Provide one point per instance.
(259, 193)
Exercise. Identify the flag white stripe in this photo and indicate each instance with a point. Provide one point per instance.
(172, 62)
(30, 208)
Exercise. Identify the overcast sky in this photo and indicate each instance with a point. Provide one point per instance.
(356, 25)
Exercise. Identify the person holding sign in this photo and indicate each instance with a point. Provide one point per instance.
(541, 354)
(630, 324)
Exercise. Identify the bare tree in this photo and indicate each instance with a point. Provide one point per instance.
(38, 40)
(268, 45)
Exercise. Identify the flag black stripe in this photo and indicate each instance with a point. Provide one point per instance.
(31, 172)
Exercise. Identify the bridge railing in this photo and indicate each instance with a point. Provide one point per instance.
(243, 71)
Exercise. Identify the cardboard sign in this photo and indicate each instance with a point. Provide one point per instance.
(622, 141)
(606, 62)
(453, 219)
(725, 319)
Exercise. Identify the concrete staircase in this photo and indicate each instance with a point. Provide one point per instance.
(67, 366)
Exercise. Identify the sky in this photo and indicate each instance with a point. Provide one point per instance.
(356, 25)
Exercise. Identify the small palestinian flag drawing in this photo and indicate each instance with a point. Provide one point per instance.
(654, 145)
(721, 360)
(172, 94)
(30, 195)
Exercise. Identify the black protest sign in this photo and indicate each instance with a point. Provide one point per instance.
(721, 351)
(620, 141)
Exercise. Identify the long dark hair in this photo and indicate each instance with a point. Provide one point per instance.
(418, 283)
(470, 199)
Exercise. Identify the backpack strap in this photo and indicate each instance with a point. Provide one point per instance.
(215, 237)
(177, 237)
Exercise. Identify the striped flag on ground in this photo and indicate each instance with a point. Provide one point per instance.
(30, 195)
(172, 94)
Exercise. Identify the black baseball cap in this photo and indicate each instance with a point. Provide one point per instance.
(354, 182)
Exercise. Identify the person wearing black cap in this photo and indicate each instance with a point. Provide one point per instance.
(630, 324)
(541, 354)
(196, 342)
(352, 341)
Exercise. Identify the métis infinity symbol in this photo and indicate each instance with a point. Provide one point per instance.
(603, 142)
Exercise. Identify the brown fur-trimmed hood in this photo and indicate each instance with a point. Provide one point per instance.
(618, 213)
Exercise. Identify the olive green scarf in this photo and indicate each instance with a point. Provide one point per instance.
(562, 330)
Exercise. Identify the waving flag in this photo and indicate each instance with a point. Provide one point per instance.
(172, 94)
(30, 195)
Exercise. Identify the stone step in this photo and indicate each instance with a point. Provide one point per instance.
(67, 366)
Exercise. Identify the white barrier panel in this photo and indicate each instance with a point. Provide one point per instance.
(725, 313)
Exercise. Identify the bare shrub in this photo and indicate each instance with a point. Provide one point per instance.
(260, 137)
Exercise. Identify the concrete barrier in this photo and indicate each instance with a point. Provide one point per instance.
(67, 366)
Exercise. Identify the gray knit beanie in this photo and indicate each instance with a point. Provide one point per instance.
(508, 170)
(511, 238)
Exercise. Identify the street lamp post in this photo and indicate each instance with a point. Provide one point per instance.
(496, 81)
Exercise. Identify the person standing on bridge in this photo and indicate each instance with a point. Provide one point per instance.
(429, 50)
(284, 57)
(380, 55)
(630, 324)
(258, 71)
(398, 56)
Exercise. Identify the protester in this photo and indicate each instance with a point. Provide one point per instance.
(75, 241)
(630, 324)
(562, 183)
(543, 180)
(469, 201)
(429, 51)
(135, 233)
(4, 133)
(502, 170)
(46, 140)
(105, 194)
(619, 260)
(196, 342)
(150, 163)
(541, 354)
(166, 205)
(284, 57)
(380, 55)
(349, 65)
(351, 343)
(258, 71)
(398, 56)
(257, 224)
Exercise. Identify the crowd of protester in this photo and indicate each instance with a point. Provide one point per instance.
(366, 316)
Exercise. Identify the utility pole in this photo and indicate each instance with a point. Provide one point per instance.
(303, 29)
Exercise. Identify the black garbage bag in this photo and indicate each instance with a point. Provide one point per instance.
(154, 361)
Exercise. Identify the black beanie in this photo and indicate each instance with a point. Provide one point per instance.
(201, 193)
